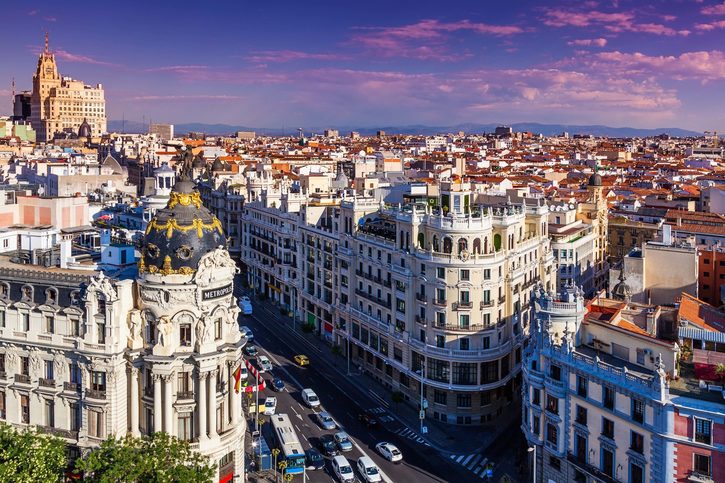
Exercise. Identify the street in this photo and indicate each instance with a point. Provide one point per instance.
(344, 400)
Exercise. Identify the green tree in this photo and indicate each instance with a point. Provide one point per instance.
(158, 458)
(29, 456)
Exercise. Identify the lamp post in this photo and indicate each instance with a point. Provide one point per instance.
(422, 399)
(530, 450)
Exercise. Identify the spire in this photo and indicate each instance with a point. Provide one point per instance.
(47, 49)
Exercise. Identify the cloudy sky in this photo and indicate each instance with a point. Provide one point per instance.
(375, 63)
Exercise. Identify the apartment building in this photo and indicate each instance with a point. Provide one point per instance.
(573, 244)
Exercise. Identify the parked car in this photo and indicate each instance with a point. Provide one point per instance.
(342, 469)
(325, 420)
(368, 469)
(277, 384)
(301, 360)
(389, 451)
(314, 459)
(368, 419)
(247, 332)
(264, 363)
(246, 305)
(250, 350)
(343, 441)
(270, 405)
(327, 445)
(310, 398)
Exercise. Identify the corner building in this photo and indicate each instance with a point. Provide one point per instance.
(439, 296)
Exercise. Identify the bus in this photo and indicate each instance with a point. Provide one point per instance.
(286, 440)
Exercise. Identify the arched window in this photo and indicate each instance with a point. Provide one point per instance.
(51, 296)
(436, 247)
(497, 242)
(27, 292)
(421, 240)
(462, 245)
(477, 246)
(447, 245)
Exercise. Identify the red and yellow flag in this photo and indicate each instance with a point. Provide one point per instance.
(238, 379)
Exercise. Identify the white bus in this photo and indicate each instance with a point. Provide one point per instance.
(285, 438)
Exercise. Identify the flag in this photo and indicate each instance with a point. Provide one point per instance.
(238, 379)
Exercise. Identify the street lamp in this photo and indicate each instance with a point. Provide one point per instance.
(422, 399)
(530, 450)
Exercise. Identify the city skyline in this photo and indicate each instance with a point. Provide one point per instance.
(613, 63)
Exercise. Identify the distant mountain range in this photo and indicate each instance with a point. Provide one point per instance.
(417, 129)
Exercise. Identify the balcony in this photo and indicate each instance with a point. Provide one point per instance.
(486, 303)
(501, 299)
(221, 387)
(46, 382)
(185, 395)
(461, 328)
(589, 469)
(440, 302)
(373, 298)
(63, 433)
(72, 387)
(697, 477)
(22, 378)
(96, 394)
(466, 305)
(421, 298)
(421, 320)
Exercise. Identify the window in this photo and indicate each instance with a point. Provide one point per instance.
(608, 428)
(608, 397)
(463, 400)
(440, 397)
(487, 342)
(464, 321)
(49, 324)
(581, 415)
(552, 434)
(98, 380)
(636, 442)
(220, 418)
(440, 341)
(703, 431)
(555, 372)
(26, 322)
(701, 464)
(637, 410)
(186, 427)
(465, 297)
(535, 426)
(24, 409)
(24, 366)
(465, 343)
(636, 473)
(552, 404)
(3, 414)
(536, 397)
(487, 274)
(555, 463)
(101, 332)
(49, 370)
(75, 416)
(581, 386)
(607, 462)
(440, 272)
(218, 328)
(465, 275)
(49, 410)
(75, 327)
(580, 442)
(185, 335)
(95, 424)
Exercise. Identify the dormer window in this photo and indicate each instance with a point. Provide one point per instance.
(27, 292)
(51, 296)
(4, 290)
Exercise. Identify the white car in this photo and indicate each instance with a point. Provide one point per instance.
(247, 332)
(342, 469)
(264, 363)
(270, 406)
(310, 398)
(246, 305)
(368, 469)
(389, 451)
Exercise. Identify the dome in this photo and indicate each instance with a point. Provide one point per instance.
(84, 131)
(217, 165)
(595, 179)
(198, 162)
(180, 234)
(621, 291)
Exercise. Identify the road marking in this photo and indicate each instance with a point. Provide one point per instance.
(460, 458)
(477, 470)
(473, 463)
(453, 456)
(379, 398)
(469, 458)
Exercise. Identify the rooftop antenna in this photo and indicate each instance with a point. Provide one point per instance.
(299, 130)
(47, 49)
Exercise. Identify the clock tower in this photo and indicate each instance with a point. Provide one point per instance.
(45, 81)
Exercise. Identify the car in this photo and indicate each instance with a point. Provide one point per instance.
(314, 459)
(343, 441)
(368, 419)
(327, 445)
(264, 363)
(301, 360)
(277, 384)
(325, 420)
(342, 469)
(270, 406)
(243, 372)
(368, 469)
(310, 398)
(389, 451)
(246, 305)
(247, 332)
(250, 350)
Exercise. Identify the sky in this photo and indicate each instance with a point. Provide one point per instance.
(332, 63)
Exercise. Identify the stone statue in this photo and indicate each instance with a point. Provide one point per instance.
(135, 323)
(204, 328)
(210, 265)
(165, 327)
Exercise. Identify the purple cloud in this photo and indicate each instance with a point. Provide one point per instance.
(718, 9)
(275, 56)
(614, 22)
(193, 97)
(588, 42)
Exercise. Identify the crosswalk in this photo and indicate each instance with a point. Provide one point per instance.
(382, 414)
(473, 462)
(412, 435)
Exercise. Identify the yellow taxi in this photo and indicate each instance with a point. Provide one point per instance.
(301, 360)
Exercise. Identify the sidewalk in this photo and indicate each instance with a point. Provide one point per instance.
(443, 437)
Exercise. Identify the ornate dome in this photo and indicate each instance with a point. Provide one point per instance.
(595, 179)
(621, 291)
(84, 131)
(180, 234)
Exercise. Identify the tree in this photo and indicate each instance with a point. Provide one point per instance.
(158, 458)
(29, 456)
(720, 371)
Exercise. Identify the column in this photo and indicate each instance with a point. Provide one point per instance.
(157, 402)
(168, 406)
(234, 403)
(134, 401)
(201, 405)
(211, 403)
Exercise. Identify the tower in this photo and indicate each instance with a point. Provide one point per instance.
(45, 81)
(185, 344)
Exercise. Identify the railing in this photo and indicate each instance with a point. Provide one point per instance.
(486, 304)
(462, 328)
(501, 299)
(185, 395)
(439, 302)
(462, 305)
(486, 354)
(63, 433)
(72, 387)
(22, 378)
(588, 468)
(421, 320)
(46, 382)
(373, 298)
(421, 297)
(96, 394)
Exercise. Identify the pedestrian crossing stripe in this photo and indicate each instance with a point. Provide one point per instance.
(386, 419)
(377, 410)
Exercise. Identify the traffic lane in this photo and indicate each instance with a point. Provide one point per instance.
(338, 399)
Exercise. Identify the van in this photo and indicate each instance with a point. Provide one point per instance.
(368, 469)
(310, 398)
(342, 469)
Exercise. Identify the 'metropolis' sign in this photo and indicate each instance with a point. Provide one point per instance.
(215, 293)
